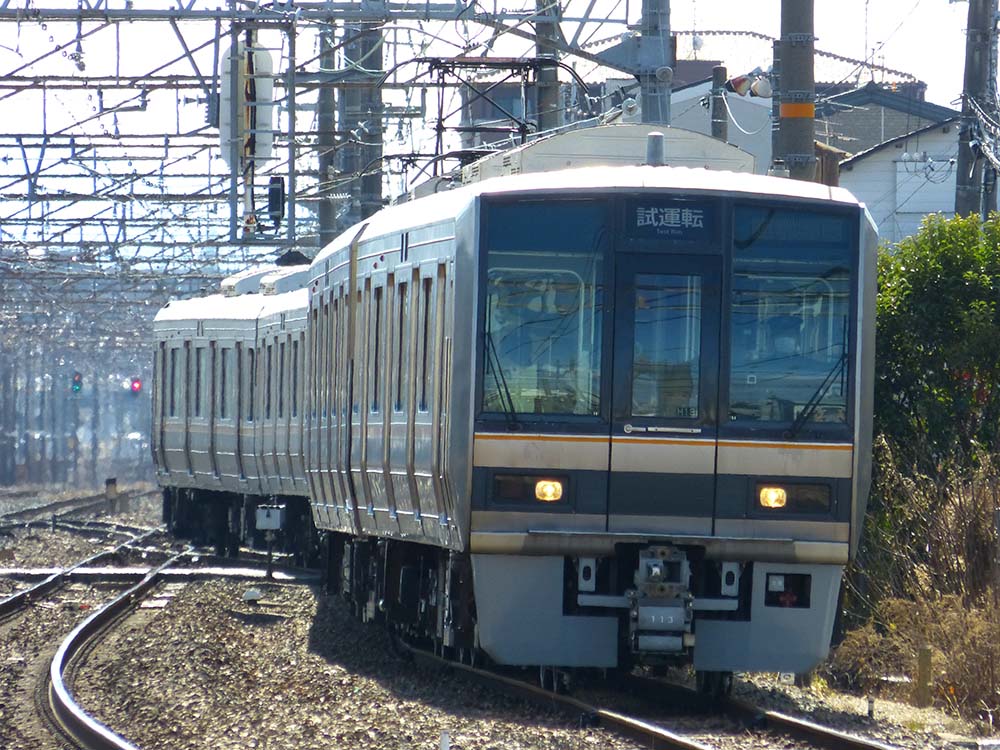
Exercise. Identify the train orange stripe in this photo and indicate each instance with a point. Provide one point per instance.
(662, 441)
(666, 441)
(798, 109)
(788, 446)
(543, 438)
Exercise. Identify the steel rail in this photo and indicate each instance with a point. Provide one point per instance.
(652, 735)
(51, 506)
(86, 730)
(21, 599)
(73, 506)
(821, 736)
(743, 711)
(82, 727)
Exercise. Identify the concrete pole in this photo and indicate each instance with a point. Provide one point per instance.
(655, 85)
(798, 88)
(95, 428)
(327, 121)
(720, 117)
(360, 124)
(776, 152)
(969, 171)
(8, 433)
(548, 100)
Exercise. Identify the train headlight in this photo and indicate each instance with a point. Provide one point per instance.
(772, 497)
(548, 490)
(794, 498)
(530, 489)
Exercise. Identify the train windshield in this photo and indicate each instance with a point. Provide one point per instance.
(544, 309)
(791, 298)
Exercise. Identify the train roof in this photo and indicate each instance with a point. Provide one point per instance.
(445, 205)
(275, 304)
(213, 307)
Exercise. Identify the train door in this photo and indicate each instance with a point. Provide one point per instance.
(664, 393)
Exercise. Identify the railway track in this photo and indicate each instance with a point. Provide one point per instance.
(656, 732)
(54, 700)
(64, 509)
(33, 621)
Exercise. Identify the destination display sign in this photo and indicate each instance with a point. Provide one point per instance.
(676, 220)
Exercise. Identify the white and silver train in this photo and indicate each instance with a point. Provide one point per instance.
(581, 418)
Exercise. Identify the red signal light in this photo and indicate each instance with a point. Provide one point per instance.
(136, 385)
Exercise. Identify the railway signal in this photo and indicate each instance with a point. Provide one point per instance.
(76, 383)
(135, 386)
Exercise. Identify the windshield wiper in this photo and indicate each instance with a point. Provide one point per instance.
(814, 400)
(503, 391)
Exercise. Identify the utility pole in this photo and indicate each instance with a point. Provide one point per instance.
(360, 122)
(656, 77)
(548, 99)
(798, 89)
(327, 122)
(720, 118)
(776, 152)
(95, 429)
(650, 58)
(969, 176)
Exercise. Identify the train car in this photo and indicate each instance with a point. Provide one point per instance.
(596, 416)
(227, 407)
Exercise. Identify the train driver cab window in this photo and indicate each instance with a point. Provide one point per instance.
(790, 312)
(544, 301)
(666, 346)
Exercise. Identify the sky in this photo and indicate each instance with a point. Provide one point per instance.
(922, 37)
(925, 38)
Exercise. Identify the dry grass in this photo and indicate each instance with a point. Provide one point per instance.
(928, 576)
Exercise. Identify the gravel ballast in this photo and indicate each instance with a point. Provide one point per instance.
(297, 671)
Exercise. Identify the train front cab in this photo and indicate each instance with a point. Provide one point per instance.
(672, 441)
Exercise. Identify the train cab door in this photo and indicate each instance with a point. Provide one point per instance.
(664, 424)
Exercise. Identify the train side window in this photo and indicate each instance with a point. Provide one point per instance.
(213, 371)
(359, 352)
(314, 362)
(281, 380)
(268, 363)
(333, 351)
(172, 383)
(160, 368)
(323, 357)
(186, 390)
(437, 376)
(376, 349)
(224, 382)
(238, 380)
(402, 350)
(427, 285)
(199, 367)
(252, 386)
(296, 368)
(315, 342)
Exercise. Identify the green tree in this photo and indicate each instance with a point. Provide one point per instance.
(937, 385)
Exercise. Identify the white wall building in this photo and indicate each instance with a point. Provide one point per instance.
(906, 178)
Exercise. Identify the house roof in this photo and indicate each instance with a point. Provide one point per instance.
(882, 96)
(912, 134)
